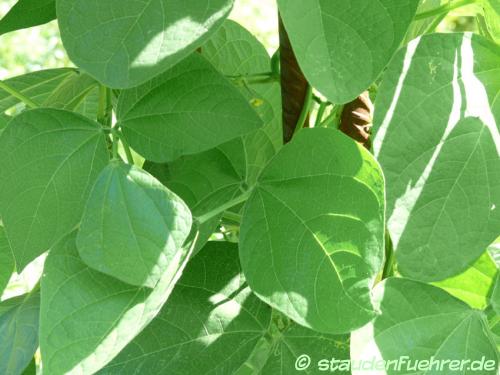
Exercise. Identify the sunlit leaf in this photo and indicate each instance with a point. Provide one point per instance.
(421, 322)
(126, 45)
(311, 238)
(438, 141)
(342, 46)
(133, 226)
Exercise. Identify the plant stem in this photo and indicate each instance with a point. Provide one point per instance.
(116, 139)
(305, 110)
(321, 112)
(126, 147)
(443, 9)
(18, 94)
(219, 210)
(232, 216)
(389, 257)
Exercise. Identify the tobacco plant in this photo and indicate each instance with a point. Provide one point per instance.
(202, 207)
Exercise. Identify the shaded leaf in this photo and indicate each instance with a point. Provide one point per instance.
(342, 46)
(438, 142)
(133, 226)
(125, 46)
(87, 317)
(28, 13)
(7, 264)
(19, 332)
(36, 85)
(422, 322)
(190, 108)
(49, 160)
(311, 238)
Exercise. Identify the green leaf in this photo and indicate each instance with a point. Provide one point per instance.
(28, 13)
(495, 295)
(492, 18)
(19, 332)
(343, 46)
(125, 46)
(31, 369)
(7, 264)
(474, 285)
(36, 85)
(87, 317)
(419, 27)
(210, 311)
(78, 92)
(437, 139)
(190, 108)
(49, 161)
(312, 232)
(133, 226)
(422, 322)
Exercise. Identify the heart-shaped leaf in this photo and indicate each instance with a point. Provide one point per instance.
(126, 44)
(423, 323)
(87, 317)
(312, 232)
(342, 46)
(438, 141)
(49, 161)
(189, 109)
(133, 226)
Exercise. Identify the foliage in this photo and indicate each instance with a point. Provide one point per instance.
(182, 236)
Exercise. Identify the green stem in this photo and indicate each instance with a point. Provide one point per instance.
(226, 206)
(18, 94)
(321, 112)
(434, 24)
(444, 9)
(126, 147)
(116, 139)
(305, 109)
(232, 216)
(389, 257)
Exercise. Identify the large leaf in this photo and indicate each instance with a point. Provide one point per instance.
(124, 46)
(87, 317)
(212, 309)
(475, 284)
(312, 232)
(342, 46)
(189, 109)
(133, 226)
(422, 322)
(28, 13)
(438, 142)
(7, 264)
(19, 332)
(49, 160)
(36, 85)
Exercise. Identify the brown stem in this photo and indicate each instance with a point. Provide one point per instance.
(356, 120)
(293, 86)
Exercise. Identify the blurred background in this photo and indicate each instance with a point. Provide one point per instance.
(40, 47)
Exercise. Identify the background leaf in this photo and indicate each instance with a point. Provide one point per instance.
(28, 13)
(133, 226)
(36, 85)
(311, 238)
(125, 46)
(189, 109)
(87, 317)
(421, 322)
(19, 332)
(342, 46)
(49, 160)
(438, 142)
